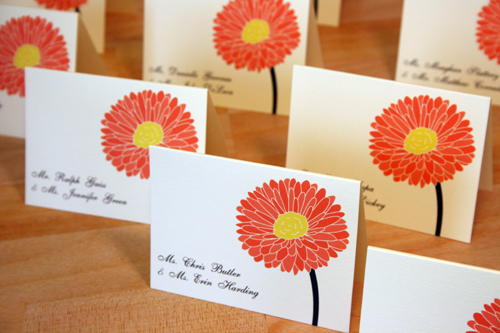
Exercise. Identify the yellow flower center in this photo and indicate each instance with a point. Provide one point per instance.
(148, 134)
(420, 141)
(26, 56)
(290, 226)
(255, 31)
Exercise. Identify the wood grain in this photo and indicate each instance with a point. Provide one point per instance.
(66, 272)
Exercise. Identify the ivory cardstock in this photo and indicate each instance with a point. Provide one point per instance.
(38, 38)
(419, 151)
(242, 51)
(93, 13)
(456, 48)
(256, 237)
(88, 137)
(409, 293)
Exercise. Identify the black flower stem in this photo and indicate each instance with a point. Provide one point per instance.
(314, 285)
(275, 90)
(439, 195)
(316, 8)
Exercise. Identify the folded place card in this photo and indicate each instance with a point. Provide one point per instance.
(242, 51)
(88, 138)
(257, 237)
(457, 47)
(328, 11)
(419, 151)
(43, 39)
(409, 293)
(93, 13)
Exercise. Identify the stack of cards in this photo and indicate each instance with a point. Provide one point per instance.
(283, 242)
(262, 238)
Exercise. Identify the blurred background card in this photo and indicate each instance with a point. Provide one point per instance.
(38, 38)
(453, 45)
(31, 37)
(93, 14)
(242, 52)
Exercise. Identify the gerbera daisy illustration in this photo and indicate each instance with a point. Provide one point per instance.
(487, 321)
(61, 4)
(293, 225)
(29, 42)
(141, 120)
(488, 30)
(256, 35)
(422, 141)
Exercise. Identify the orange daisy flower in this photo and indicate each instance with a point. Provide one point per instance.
(141, 120)
(256, 34)
(487, 321)
(422, 140)
(488, 30)
(293, 225)
(29, 42)
(61, 4)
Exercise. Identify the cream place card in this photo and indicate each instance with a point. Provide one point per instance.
(242, 51)
(257, 237)
(409, 293)
(456, 48)
(328, 12)
(88, 138)
(43, 39)
(419, 151)
(93, 14)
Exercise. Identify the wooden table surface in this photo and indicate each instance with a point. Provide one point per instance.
(66, 272)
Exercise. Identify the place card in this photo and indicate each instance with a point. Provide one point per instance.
(88, 138)
(257, 237)
(409, 293)
(93, 14)
(419, 151)
(328, 12)
(456, 48)
(242, 52)
(38, 38)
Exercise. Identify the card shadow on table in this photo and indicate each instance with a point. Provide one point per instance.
(134, 244)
